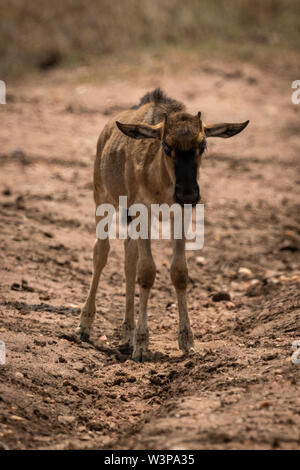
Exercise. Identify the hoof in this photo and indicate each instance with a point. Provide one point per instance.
(83, 334)
(84, 337)
(140, 348)
(125, 348)
(127, 334)
(189, 352)
(140, 355)
(186, 341)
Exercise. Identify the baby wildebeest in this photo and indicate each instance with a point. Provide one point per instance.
(152, 155)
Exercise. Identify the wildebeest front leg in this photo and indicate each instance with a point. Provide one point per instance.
(146, 274)
(100, 254)
(179, 276)
(131, 254)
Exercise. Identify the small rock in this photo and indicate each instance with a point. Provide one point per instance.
(219, 296)
(23, 286)
(200, 260)
(170, 304)
(245, 272)
(66, 419)
(44, 296)
(289, 245)
(39, 342)
(20, 202)
(271, 273)
(269, 356)
(79, 367)
(48, 234)
(6, 192)
(15, 286)
(26, 287)
(81, 428)
(265, 404)
(77, 307)
(19, 375)
(17, 418)
(291, 241)
(230, 305)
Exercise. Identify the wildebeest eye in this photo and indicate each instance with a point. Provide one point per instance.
(166, 148)
(202, 146)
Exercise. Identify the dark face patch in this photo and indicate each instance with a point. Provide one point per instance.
(186, 169)
(184, 142)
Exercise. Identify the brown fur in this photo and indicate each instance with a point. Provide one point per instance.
(133, 163)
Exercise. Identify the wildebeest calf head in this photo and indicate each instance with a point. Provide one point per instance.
(183, 141)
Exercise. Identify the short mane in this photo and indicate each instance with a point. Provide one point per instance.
(158, 97)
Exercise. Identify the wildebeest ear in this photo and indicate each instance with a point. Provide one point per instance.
(141, 131)
(224, 129)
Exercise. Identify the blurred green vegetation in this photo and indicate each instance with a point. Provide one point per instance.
(43, 34)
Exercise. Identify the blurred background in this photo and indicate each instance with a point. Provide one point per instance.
(43, 35)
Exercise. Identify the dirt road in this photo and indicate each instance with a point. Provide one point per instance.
(241, 389)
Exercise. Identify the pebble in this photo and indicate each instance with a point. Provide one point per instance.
(17, 418)
(77, 307)
(269, 356)
(245, 272)
(219, 296)
(200, 260)
(66, 419)
(265, 404)
(19, 375)
(230, 305)
(6, 192)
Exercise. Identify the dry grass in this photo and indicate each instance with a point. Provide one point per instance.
(44, 34)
